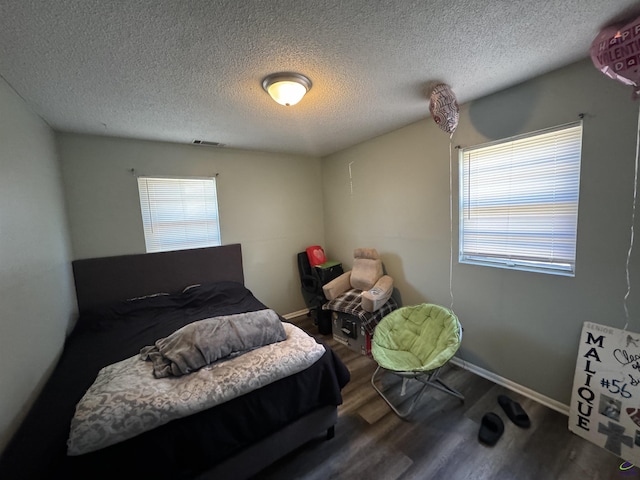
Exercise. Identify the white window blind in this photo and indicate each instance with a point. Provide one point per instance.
(519, 201)
(179, 213)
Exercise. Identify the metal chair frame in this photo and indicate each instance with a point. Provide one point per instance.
(429, 379)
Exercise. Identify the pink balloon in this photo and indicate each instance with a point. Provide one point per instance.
(616, 53)
(444, 108)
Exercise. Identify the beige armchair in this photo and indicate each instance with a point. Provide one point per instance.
(366, 276)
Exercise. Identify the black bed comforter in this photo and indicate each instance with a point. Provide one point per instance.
(181, 448)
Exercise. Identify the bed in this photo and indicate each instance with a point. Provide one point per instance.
(128, 302)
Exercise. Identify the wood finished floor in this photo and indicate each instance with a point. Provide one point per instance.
(439, 441)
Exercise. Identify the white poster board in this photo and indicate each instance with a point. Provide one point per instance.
(605, 400)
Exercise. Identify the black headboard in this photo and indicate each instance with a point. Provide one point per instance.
(107, 279)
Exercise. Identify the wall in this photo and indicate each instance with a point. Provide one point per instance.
(270, 203)
(37, 299)
(521, 326)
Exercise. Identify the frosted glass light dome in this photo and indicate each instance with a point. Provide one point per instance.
(286, 88)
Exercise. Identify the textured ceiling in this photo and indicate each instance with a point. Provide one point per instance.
(182, 70)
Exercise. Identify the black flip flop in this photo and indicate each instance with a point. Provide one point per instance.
(514, 411)
(491, 429)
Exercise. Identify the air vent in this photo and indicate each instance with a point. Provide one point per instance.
(207, 143)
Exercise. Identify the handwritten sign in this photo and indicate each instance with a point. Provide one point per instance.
(605, 401)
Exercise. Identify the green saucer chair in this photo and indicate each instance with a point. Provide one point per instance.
(415, 342)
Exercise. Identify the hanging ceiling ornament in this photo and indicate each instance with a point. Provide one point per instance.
(444, 108)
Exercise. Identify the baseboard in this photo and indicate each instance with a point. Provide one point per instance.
(299, 313)
(497, 379)
(515, 387)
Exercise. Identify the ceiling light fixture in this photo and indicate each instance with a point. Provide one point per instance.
(286, 88)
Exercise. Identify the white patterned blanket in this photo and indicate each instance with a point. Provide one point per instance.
(126, 399)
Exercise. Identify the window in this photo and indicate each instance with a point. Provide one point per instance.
(179, 213)
(519, 201)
